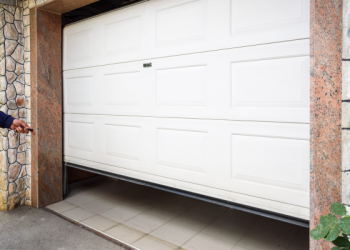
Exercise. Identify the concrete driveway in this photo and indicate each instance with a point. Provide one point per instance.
(29, 228)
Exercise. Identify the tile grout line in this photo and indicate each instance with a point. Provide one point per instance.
(162, 224)
(146, 211)
(149, 234)
(77, 222)
(206, 227)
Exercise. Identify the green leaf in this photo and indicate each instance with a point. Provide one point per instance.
(338, 209)
(319, 232)
(333, 233)
(344, 224)
(341, 242)
(335, 248)
(326, 221)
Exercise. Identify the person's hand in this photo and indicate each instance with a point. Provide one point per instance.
(20, 126)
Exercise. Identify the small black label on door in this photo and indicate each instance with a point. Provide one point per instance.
(147, 65)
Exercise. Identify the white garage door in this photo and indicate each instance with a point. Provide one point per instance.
(208, 96)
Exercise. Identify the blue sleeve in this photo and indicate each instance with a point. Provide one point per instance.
(5, 120)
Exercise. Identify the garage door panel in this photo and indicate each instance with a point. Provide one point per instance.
(81, 46)
(82, 90)
(182, 149)
(275, 206)
(123, 89)
(242, 157)
(205, 25)
(184, 86)
(174, 27)
(108, 141)
(224, 169)
(203, 95)
(79, 50)
(281, 162)
(274, 83)
(171, 29)
(123, 36)
(276, 18)
(238, 84)
(123, 141)
(78, 140)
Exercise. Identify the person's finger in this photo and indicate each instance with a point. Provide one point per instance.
(23, 124)
(26, 126)
(20, 130)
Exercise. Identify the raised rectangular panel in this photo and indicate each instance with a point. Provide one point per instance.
(181, 86)
(123, 141)
(79, 46)
(180, 23)
(185, 150)
(122, 89)
(122, 36)
(271, 83)
(274, 161)
(79, 90)
(80, 136)
(250, 16)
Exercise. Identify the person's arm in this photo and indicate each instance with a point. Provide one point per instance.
(21, 127)
(5, 120)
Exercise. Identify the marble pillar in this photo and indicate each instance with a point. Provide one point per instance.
(326, 107)
(46, 79)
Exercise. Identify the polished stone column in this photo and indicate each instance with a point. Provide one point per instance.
(326, 107)
(46, 86)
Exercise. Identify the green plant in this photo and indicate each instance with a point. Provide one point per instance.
(333, 229)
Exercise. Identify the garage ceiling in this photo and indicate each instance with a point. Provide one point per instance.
(94, 9)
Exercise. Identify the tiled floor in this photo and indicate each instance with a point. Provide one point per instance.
(150, 219)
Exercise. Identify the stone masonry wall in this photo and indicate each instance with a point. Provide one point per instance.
(15, 160)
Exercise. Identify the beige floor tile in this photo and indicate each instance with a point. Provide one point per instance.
(77, 190)
(240, 248)
(206, 242)
(150, 243)
(226, 230)
(276, 227)
(164, 196)
(124, 233)
(145, 222)
(121, 213)
(100, 223)
(209, 208)
(142, 203)
(263, 240)
(184, 201)
(194, 220)
(78, 214)
(119, 197)
(81, 198)
(99, 206)
(105, 193)
(240, 217)
(174, 220)
(167, 211)
(174, 233)
(61, 206)
(294, 245)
